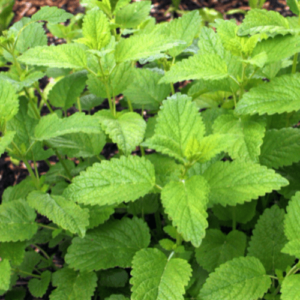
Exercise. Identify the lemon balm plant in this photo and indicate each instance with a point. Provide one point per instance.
(212, 213)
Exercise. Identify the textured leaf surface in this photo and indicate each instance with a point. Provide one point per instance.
(5, 270)
(178, 122)
(95, 29)
(126, 129)
(242, 278)
(51, 126)
(63, 56)
(13, 251)
(66, 91)
(52, 15)
(110, 245)
(292, 227)
(206, 66)
(6, 140)
(278, 96)
(154, 277)
(280, 148)
(145, 91)
(263, 21)
(268, 239)
(73, 285)
(9, 103)
(99, 214)
(210, 43)
(248, 135)
(17, 221)
(125, 179)
(290, 289)
(61, 211)
(292, 174)
(218, 248)
(37, 287)
(236, 182)
(185, 202)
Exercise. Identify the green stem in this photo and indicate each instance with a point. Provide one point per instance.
(99, 158)
(41, 250)
(293, 270)
(158, 186)
(178, 239)
(63, 164)
(46, 226)
(142, 150)
(34, 178)
(234, 99)
(129, 105)
(79, 104)
(36, 172)
(44, 100)
(26, 273)
(172, 88)
(273, 277)
(295, 61)
(35, 109)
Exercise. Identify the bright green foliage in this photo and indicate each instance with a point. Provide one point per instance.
(292, 173)
(178, 122)
(66, 91)
(73, 285)
(61, 211)
(142, 46)
(114, 181)
(98, 214)
(51, 126)
(263, 21)
(247, 133)
(146, 84)
(126, 129)
(268, 239)
(242, 278)
(109, 245)
(292, 227)
(63, 56)
(52, 15)
(278, 96)
(13, 251)
(155, 277)
(17, 221)
(6, 140)
(206, 67)
(8, 101)
(210, 43)
(185, 202)
(5, 270)
(218, 248)
(133, 14)
(287, 150)
(293, 4)
(95, 30)
(291, 288)
(235, 182)
(38, 287)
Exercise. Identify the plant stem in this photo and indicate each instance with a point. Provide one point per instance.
(46, 226)
(63, 164)
(43, 98)
(35, 109)
(43, 251)
(129, 105)
(142, 150)
(26, 273)
(79, 104)
(293, 270)
(34, 178)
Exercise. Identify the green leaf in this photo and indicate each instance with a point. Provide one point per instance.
(278, 96)
(51, 126)
(61, 211)
(111, 182)
(247, 135)
(95, 30)
(98, 214)
(13, 251)
(52, 15)
(38, 287)
(292, 227)
(292, 174)
(110, 245)
(133, 14)
(9, 103)
(6, 140)
(210, 43)
(293, 5)
(5, 270)
(290, 288)
(218, 248)
(184, 29)
(143, 46)
(126, 129)
(67, 90)
(286, 151)
(73, 285)
(268, 239)
(155, 277)
(263, 21)
(278, 48)
(185, 202)
(206, 67)
(90, 101)
(17, 221)
(242, 278)
(113, 278)
(236, 182)
(70, 56)
(178, 122)
(146, 83)
(148, 204)
(31, 259)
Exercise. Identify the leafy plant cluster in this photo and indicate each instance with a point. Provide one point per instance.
(212, 213)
